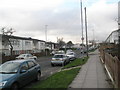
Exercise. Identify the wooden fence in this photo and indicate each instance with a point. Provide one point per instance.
(112, 63)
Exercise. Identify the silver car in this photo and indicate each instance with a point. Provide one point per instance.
(61, 59)
(71, 55)
(26, 56)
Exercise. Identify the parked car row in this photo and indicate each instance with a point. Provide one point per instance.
(17, 73)
(57, 52)
(62, 58)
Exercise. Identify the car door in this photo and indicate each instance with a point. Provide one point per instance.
(24, 77)
(32, 70)
(66, 58)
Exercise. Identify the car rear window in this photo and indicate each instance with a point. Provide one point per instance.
(24, 66)
(58, 56)
(31, 64)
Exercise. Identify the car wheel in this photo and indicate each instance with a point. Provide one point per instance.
(63, 64)
(52, 65)
(15, 86)
(38, 76)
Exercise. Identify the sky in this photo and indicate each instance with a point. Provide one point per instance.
(28, 18)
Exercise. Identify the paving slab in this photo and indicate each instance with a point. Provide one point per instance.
(92, 74)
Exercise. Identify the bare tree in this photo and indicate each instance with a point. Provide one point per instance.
(8, 32)
(60, 42)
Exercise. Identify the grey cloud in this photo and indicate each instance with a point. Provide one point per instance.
(61, 22)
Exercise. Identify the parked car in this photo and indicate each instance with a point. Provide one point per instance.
(83, 50)
(17, 73)
(69, 50)
(26, 56)
(59, 59)
(71, 55)
(53, 52)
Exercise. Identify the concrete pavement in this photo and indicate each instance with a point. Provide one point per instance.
(92, 74)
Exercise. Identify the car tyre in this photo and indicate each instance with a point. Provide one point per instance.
(35, 58)
(14, 86)
(38, 76)
(63, 64)
(52, 65)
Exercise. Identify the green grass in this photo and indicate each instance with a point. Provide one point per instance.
(76, 62)
(92, 50)
(60, 79)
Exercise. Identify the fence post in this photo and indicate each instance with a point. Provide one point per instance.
(119, 58)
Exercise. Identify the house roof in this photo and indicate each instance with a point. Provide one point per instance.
(17, 37)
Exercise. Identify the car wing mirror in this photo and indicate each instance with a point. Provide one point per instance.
(23, 71)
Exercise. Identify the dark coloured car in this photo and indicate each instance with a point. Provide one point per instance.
(17, 73)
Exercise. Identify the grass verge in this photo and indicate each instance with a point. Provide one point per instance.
(59, 80)
(77, 62)
(92, 50)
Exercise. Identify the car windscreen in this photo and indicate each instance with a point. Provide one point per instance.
(58, 56)
(9, 67)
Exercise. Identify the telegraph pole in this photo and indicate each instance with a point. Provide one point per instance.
(46, 32)
(82, 23)
(86, 30)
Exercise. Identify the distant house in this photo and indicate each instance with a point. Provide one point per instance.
(78, 46)
(113, 37)
(20, 45)
(51, 45)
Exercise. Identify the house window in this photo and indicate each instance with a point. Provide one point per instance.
(15, 42)
(27, 43)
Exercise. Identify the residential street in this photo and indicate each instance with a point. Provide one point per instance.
(47, 69)
(59, 44)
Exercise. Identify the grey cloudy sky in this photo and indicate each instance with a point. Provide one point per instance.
(29, 17)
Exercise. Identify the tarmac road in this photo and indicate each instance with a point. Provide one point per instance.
(46, 68)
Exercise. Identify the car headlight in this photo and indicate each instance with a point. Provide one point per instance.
(3, 83)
